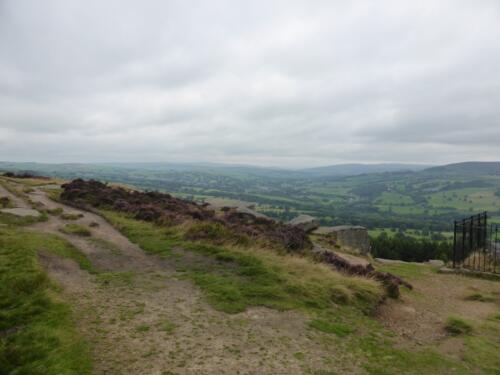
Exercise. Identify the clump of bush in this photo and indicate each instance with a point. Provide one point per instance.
(55, 211)
(479, 297)
(165, 210)
(76, 229)
(71, 216)
(457, 326)
(6, 202)
(214, 232)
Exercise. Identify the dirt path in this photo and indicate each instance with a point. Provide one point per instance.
(142, 317)
(419, 316)
(18, 202)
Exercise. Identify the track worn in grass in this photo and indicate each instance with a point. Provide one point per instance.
(242, 277)
(37, 335)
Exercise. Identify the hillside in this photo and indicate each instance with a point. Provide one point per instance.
(101, 279)
(425, 201)
(474, 168)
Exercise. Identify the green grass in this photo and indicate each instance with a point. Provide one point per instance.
(407, 270)
(65, 216)
(76, 229)
(326, 326)
(15, 220)
(55, 211)
(6, 202)
(167, 326)
(234, 278)
(479, 297)
(458, 326)
(142, 328)
(42, 338)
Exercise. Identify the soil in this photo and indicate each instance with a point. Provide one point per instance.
(419, 316)
(142, 317)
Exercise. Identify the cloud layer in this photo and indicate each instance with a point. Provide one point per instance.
(262, 82)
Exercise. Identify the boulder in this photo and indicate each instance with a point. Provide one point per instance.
(305, 222)
(435, 263)
(353, 236)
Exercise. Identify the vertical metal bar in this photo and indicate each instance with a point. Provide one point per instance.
(471, 242)
(454, 243)
(495, 258)
(463, 241)
(483, 243)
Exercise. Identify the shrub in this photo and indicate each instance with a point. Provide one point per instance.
(71, 216)
(457, 326)
(76, 229)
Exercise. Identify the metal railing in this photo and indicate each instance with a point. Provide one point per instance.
(476, 244)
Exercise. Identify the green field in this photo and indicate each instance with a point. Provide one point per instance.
(427, 200)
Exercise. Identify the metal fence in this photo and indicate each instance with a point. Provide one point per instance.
(476, 244)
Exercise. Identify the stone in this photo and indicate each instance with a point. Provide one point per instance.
(435, 263)
(353, 236)
(305, 222)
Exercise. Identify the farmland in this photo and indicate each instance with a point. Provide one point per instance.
(419, 202)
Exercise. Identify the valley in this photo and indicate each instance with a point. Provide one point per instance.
(178, 305)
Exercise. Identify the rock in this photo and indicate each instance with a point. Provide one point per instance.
(435, 262)
(250, 212)
(305, 222)
(353, 236)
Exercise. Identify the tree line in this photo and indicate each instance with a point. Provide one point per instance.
(410, 249)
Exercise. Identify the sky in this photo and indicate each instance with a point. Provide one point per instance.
(272, 83)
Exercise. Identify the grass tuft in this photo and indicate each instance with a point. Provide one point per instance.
(65, 216)
(339, 329)
(479, 297)
(76, 229)
(458, 326)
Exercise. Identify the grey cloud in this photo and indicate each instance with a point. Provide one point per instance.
(268, 82)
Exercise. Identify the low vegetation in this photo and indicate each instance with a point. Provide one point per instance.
(76, 229)
(37, 335)
(410, 249)
(457, 326)
(15, 220)
(66, 216)
(239, 277)
(6, 202)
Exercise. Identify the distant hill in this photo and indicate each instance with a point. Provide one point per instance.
(470, 167)
(357, 169)
(339, 170)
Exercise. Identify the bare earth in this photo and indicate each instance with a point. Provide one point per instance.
(141, 317)
(417, 317)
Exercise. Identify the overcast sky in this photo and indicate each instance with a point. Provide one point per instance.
(282, 83)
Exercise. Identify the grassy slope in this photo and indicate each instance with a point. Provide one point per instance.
(39, 336)
(480, 337)
(249, 277)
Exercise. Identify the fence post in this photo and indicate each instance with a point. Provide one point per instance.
(454, 243)
(463, 241)
(495, 258)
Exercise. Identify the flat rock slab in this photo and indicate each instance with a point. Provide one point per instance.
(21, 211)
